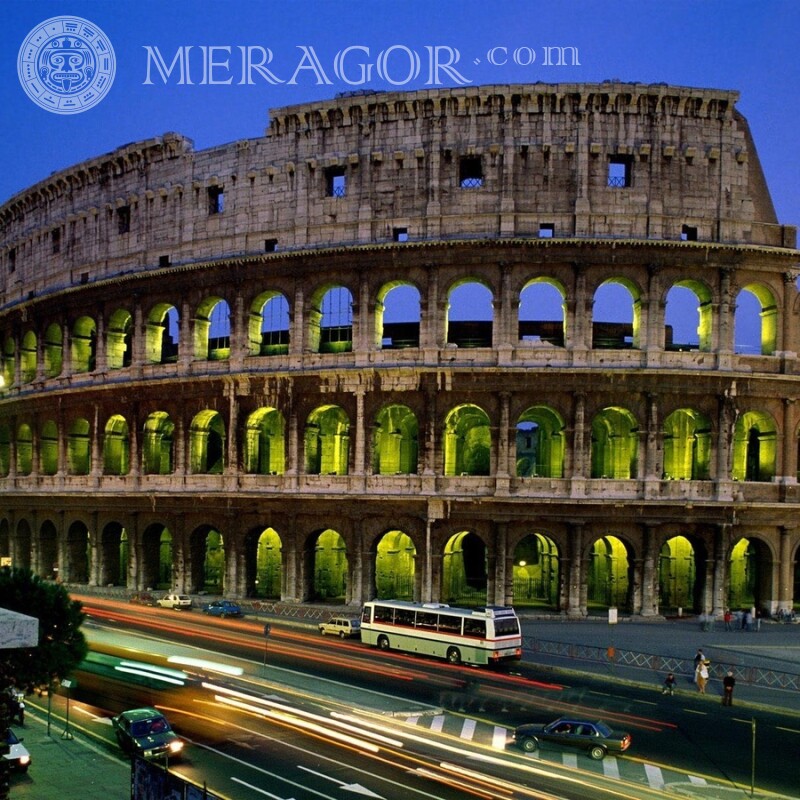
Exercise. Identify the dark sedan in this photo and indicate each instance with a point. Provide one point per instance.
(593, 737)
(222, 608)
(146, 732)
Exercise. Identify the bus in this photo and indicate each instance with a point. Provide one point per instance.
(460, 635)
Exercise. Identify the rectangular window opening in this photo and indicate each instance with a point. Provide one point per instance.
(470, 172)
(55, 236)
(270, 245)
(620, 171)
(216, 200)
(335, 182)
(163, 261)
(12, 260)
(123, 219)
(547, 230)
(400, 234)
(689, 233)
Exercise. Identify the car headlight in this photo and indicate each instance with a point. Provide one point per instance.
(23, 760)
(176, 746)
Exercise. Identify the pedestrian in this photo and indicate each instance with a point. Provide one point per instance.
(748, 620)
(728, 682)
(701, 677)
(728, 618)
(698, 659)
(669, 684)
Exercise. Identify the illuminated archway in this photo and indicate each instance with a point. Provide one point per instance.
(207, 556)
(536, 572)
(330, 320)
(263, 564)
(83, 348)
(540, 444)
(157, 444)
(9, 357)
(467, 441)
(750, 571)
(616, 318)
(264, 444)
(688, 300)
(394, 444)
(27, 357)
(162, 334)
(327, 441)
(269, 325)
(5, 450)
(687, 445)
(542, 312)
(755, 444)
(24, 449)
(116, 446)
(79, 448)
(118, 339)
(464, 570)
(608, 574)
(615, 444)
(751, 334)
(329, 567)
(207, 443)
(679, 584)
(395, 566)
(212, 330)
(48, 448)
(53, 351)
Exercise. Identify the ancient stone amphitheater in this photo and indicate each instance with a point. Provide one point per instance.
(419, 345)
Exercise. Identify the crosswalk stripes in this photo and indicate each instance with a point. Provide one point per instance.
(654, 776)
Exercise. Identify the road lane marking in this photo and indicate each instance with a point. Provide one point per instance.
(611, 767)
(655, 777)
(697, 781)
(468, 729)
(437, 723)
(499, 737)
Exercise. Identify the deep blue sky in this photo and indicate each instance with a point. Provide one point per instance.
(748, 45)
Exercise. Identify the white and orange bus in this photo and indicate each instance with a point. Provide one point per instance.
(460, 635)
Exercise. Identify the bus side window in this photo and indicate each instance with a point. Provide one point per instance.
(449, 624)
(383, 614)
(426, 620)
(475, 627)
(404, 616)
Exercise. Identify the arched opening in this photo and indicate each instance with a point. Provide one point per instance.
(53, 351)
(48, 448)
(327, 441)
(616, 316)
(5, 450)
(162, 334)
(330, 321)
(329, 568)
(269, 325)
(397, 316)
(464, 570)
(750, 571)
(263, 564)
(679, 583)
(608, 577)
(536, 572)
(76, 570)
(615, 444)
(114, 555)
(542, 312)
(212, 330)
(756, 321)
(207, 556)
(394, 445)
(48, 566)
(84, 345)
(687, 446)
(688, 317)
(27, 357)
(157, 444)
(116, 446)
(118, 339)
(79, 448)
(9, 356)
(155, 566)
(540, 444)
(755, 445)
(21, 549)
(24, 449)
(395, 566)
(470, 315)
(207, 444)
(467, 441)
(264, 445)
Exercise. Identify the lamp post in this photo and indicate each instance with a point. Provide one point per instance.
(68, 683)
(612, 621)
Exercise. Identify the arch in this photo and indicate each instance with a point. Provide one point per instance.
(397, 316)
(212, 330)
(158, 444)
(680, 582)
(53, 350)
(207, 560)
(688, 303)
(536, 572)
(83, 345)
(543, 312)
(21, 548)
(330, 320)
(79, 448)
(470, 314)
(48, 448)
(264, 443)
(615, 444)
(78, 550)
(540, 443)
(327, 441)
(755, 447)
(616, 317)
(264, 564)
(5, 449)
(395, 566)
(467, 441)
(395, 441)
(116, 446)
(24, 449)
(156, 566)
(608, 574)
(750, 571)
(162, 334)
(48, 566)
(464, 570)
(756, 320)
(687, 446)
(207, 443)
(118, 339)
(28, 355)
(269, 325)
(329, 567)
(114, 555)
(9, 358)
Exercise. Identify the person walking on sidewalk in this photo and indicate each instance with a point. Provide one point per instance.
(728, 618)
(701, 677)
(698, 660)
(669, 684)
(728, 682)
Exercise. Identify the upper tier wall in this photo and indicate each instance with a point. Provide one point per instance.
(470, 162)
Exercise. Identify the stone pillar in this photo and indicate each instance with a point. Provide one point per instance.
(66, 349)
(789, 467)
(576, 593)
(503, 469)
(578, 474)
(297, 323)
(649, 607)
(139, 336)
(240, 341)
(717, 574)
(431, 323)
(96, 467)
(134, 467)
(727, 420)
(232, 467)
(180, 444)
(725, 320)
(787, 345)
(786, 572)
(101, 346)
(355, 593)
(360, 446)
(186, 343)
(653, 464)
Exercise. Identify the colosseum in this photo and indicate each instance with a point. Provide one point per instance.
(421, 345)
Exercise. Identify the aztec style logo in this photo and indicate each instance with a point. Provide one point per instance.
(66, 65)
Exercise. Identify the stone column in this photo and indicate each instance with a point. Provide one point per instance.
(133, 444)
(576, 593)
(503, 469)
(101, 346)
(232, 467)
(715, 594)
(788, 344)
(186, 343)
(240, 343)
(360, 446)
(297, 323)
(789, 467)
(725, 320)
(649, 606)
(66, 349)
(96, 467)
(139, 336)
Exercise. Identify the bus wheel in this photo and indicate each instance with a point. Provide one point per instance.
(454, 656)
(383, 642)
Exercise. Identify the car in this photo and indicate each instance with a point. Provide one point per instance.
(142, 599)
(17, 755)
(147, 733)
(343, 627)
(222, 608)
(594, 737)
(178, 602)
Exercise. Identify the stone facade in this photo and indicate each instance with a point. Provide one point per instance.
(146, 391)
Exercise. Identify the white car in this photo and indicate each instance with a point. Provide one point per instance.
(17, 753)
(178, 602)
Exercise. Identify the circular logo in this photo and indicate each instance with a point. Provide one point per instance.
(66, 65)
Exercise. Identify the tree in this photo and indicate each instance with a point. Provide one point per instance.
(62, 645)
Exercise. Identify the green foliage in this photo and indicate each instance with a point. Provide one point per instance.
(62, 645)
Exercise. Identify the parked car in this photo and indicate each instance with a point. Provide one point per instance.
(146, 732)
(179, 602)
(343, 627)
(594, 737)
(222, 608)
(17, 755)
(142, 599)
